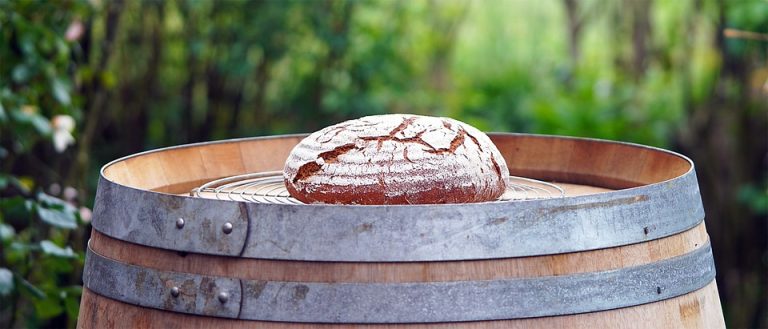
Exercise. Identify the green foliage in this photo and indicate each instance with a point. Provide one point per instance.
(119, 77)
(56, 212)
(755, 197)
(6, 281)
(36, 86)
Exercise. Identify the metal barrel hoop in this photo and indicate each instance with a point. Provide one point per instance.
(399, 233)
(421, 302)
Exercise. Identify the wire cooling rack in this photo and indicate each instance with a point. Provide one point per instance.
(268, 187)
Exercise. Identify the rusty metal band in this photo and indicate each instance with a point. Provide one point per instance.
(398, 233)
(421, 302)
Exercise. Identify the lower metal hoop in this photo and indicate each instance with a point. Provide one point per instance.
(419, 302)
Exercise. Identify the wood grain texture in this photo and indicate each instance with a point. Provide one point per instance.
(178, 170)
(700, 309)
(577, 161)
(582, 167)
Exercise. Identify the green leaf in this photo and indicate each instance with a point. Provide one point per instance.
(3, 116)
(48, 307)
(15, 202)
(755, 198)
(20, 246)
(16, 207)
(56, 212)
(52, 201)
(41, 124)
(6, 232)
(50, 248)
(57, 217)
(29, 289)
(34, 120)
(72, 305)
(27, 43)
(19, 252)
(21, 73)
(72, 300)
(6, 281)
(6, 180)
(54, 265)
(60, 90)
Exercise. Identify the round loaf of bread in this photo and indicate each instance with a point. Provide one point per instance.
(396, 159)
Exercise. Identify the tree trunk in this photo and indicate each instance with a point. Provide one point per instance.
(96, 97)
(726, 138)
(641, 31)
(574, 25)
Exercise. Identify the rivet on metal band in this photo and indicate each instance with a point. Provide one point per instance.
(419, 302)
(148, 288)
(226, 228)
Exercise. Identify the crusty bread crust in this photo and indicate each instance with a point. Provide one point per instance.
(396, 159)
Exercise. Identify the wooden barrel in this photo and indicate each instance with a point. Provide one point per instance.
(625, 247)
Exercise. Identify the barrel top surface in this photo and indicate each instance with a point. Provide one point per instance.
(680, 159)
(655, 195)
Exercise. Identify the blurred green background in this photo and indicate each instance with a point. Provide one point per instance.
(85, 82)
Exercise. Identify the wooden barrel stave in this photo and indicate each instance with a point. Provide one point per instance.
(604, 164)
(299, 271)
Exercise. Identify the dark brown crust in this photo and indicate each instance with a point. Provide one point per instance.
(402, 126)
(455, 143)
(306, 170)
(373, 195)
(496, 167)
(416, 139)
(310, 168)
(474, 140)
(332, 155)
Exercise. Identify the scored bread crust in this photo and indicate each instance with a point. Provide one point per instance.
(396, 159)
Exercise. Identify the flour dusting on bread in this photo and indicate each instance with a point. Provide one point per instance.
(396, 159)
